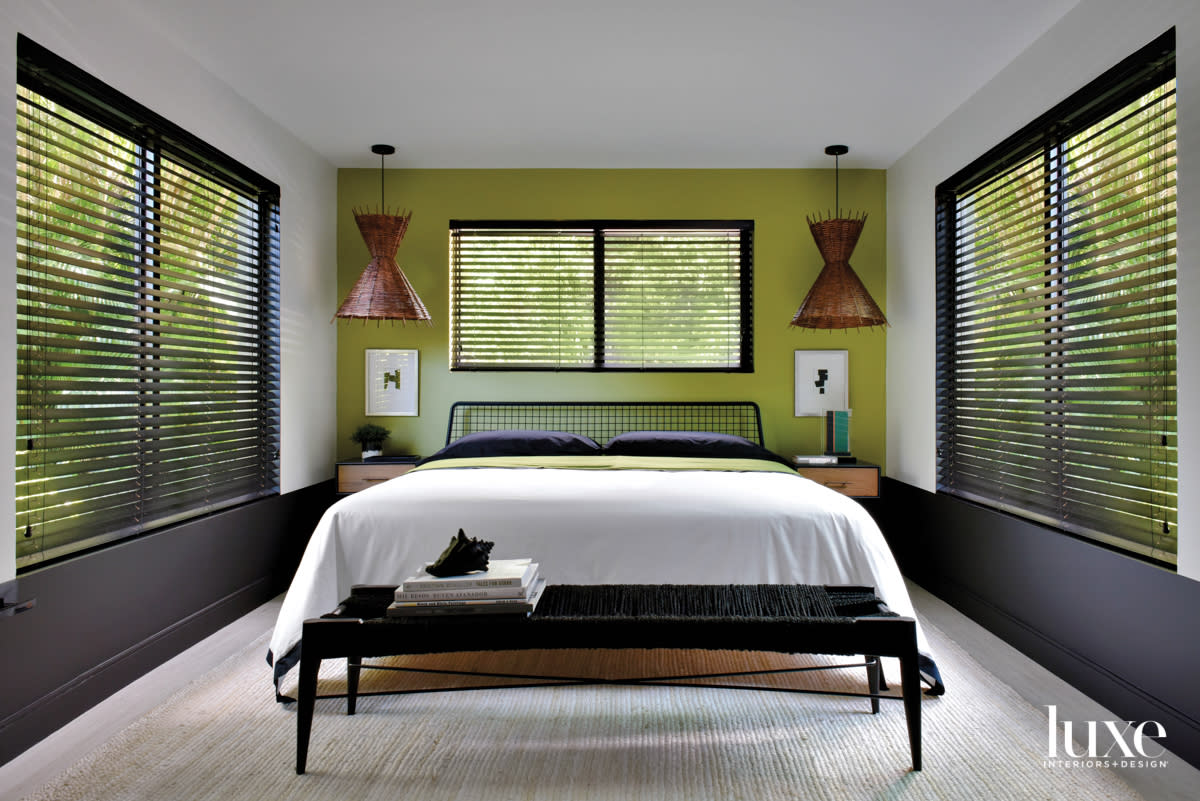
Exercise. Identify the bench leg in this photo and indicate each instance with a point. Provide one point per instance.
(309, 668)
(874, 669)
(910, 682)
(353, 669)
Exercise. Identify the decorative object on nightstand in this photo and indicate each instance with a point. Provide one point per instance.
(355, 476)
(838, 298)
(382, 292)
(837, 443)
(371, 438)
(837, 433)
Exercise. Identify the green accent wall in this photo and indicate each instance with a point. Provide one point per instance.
(786, 262)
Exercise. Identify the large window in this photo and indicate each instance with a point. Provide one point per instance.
(147, 318)
(589, 295)
(1056, 316)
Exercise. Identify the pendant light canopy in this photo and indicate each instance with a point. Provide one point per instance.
(382, 292)
(838, 298)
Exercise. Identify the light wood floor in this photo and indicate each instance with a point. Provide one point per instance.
(56, 753)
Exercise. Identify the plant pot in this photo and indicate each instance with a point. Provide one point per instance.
(367, 454)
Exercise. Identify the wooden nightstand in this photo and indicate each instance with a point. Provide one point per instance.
(858, 480)
(355, 476)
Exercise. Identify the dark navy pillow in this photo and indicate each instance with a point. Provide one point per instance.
(517, 442)
(688, 443)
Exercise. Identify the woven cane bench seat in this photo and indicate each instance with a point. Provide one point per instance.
(786, 618)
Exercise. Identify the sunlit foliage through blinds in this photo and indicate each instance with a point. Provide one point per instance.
(147, 355)
(1056, 381)
(590, 296)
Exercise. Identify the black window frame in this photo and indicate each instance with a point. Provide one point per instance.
(745, 229)
(1131, 80)
(162, 147)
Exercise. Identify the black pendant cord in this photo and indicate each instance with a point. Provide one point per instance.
(837, 151)
(383, 151)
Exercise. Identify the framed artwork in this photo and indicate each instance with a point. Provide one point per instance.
(822, 382)
(391, 387)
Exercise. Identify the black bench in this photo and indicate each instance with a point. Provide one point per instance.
(786, 618)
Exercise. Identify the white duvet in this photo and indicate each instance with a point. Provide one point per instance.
(597, 527)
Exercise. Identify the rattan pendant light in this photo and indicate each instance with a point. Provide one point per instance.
(838, 298)
(382, 292)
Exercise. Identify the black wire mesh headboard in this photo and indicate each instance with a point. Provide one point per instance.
(603, 420)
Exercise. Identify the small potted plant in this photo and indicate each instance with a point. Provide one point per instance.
(371, 438)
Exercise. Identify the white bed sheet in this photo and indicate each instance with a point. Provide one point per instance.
(597, 527)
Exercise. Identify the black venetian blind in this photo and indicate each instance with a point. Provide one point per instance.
(587, 295)
(148, 317)
(1056, 316)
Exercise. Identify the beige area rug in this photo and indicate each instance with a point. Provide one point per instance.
(223, 738)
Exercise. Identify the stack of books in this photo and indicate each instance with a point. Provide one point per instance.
(508, 586)
(828, 458)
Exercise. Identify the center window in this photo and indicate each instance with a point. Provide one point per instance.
(601, 295)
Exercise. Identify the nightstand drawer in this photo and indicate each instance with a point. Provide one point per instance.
(855, 480)
(355, 476)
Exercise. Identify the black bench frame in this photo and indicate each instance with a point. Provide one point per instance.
(351, 635)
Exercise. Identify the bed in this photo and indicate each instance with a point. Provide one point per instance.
(599, 493)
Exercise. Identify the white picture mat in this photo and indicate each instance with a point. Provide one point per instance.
(391, 382)
(822, 382)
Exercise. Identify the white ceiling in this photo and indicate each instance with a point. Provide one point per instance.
(605, 83)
